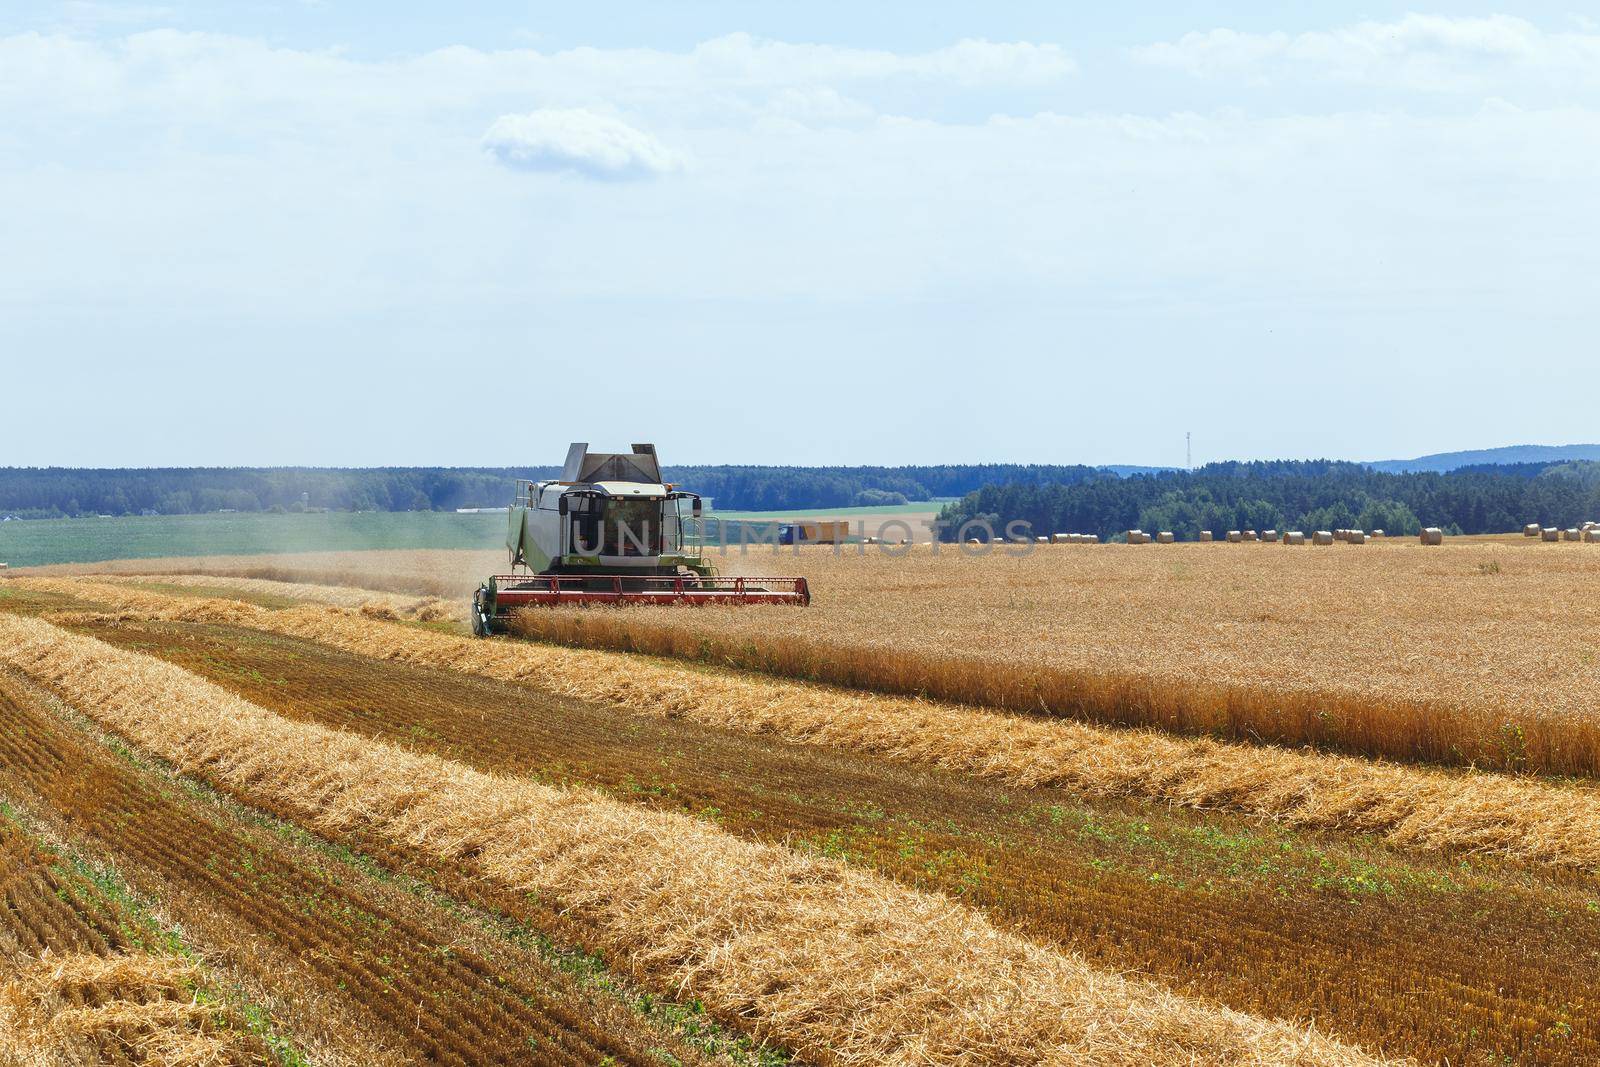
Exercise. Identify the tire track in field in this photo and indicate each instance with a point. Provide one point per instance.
(1466, 972)
(406, 976)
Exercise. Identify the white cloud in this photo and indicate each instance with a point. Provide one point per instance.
(185, 72)
(89, 14)
(739, 57)
(578, 141)
(1428, 53)
(818, 107)
(372, 172)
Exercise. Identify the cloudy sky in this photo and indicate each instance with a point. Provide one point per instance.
(326, 233)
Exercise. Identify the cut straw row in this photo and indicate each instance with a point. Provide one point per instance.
(1413, 808)
(72, 1009)
(840, 965)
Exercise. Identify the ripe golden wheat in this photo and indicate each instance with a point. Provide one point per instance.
(842, 965)
(1411, 807)
(1470, 654)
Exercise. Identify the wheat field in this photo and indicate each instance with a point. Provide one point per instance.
(367, 720)
(1480, 652)
(1413, 808)
(1475, 653)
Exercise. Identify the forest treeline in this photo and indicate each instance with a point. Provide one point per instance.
(1308, 495)
(1300, 495)
(55, 492)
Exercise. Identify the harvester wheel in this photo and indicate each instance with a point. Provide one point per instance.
(480, 617)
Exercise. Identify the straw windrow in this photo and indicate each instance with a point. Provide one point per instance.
(72, 1009)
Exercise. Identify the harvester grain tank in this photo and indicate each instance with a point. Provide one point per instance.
(610, 531)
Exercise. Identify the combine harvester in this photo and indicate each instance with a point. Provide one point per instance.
(610, 531)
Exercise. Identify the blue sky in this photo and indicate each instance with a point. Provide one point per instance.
(334, 233)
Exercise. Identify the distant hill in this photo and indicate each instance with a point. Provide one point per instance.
(1449, 461)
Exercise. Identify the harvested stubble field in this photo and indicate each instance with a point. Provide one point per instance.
(1276, 921)
(363, 972)
(839, 963)
(90, 977)
(450, 573)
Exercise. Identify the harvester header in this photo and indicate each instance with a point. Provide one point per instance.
(610, 531)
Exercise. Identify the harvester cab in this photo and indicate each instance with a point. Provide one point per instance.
(610, 531)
